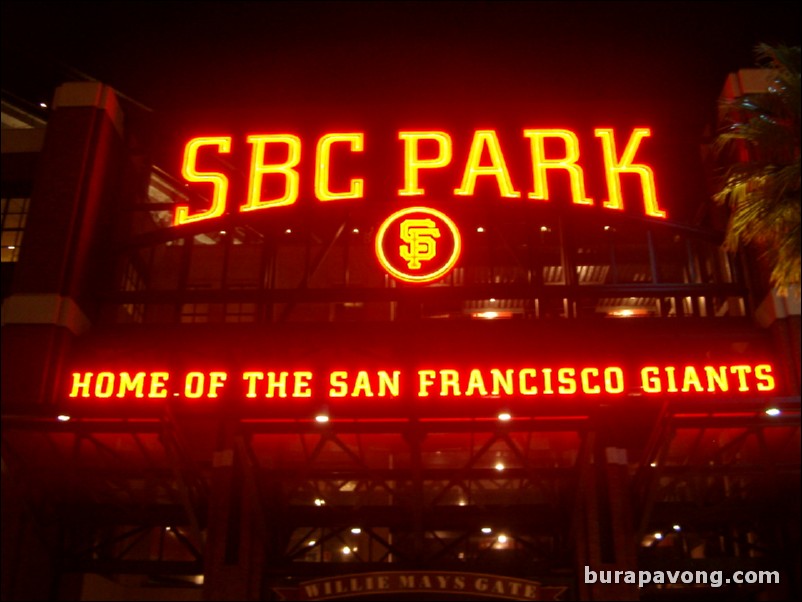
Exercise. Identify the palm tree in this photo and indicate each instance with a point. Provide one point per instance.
(762, 187)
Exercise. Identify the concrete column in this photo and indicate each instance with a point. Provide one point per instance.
(606, 533)
(235, 553)
(64, 255)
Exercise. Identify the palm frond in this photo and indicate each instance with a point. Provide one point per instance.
(762, 186)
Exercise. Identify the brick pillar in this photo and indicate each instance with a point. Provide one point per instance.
(63, 256)
(51, 303)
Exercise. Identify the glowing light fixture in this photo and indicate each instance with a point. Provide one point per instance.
(505, 416)
(677, 528)
(63, 418)
(320, 502)
(356, 530)
(499, 466)
(502, 539)
(773, 412)
(658, 535)
(486, 530)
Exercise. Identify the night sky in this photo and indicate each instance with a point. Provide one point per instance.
(238, 67)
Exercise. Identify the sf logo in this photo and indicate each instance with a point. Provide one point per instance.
(420, 234)
(418, 244)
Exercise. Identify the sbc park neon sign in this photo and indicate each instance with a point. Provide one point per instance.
(485, 160)
(417, 244)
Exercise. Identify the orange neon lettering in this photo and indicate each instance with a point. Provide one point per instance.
(650, 380)
(362, 385)
(286, 169)
(691, 379)
(276, 385)
(672, 379)
(717, 377)
(158, 385)
(523, 386)
(251, 378)
(80, 384)
(741, 371)
(425, 380)
(337, 381)
(548, 389)
(449, 379)
(540, 164)
(614, 379)
(356, 188)
(133, 385)
(193, 386)
(613, 168)
(391, 384)
(301, 387)
(216, 381)
(498, 167)
(476, 382)
(413, 163)
(104, 385)
(567, 379)
(218, 180)
(585, 375)
(502, 381)
(765, 379)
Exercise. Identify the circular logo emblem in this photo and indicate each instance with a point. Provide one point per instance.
(418, 244)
